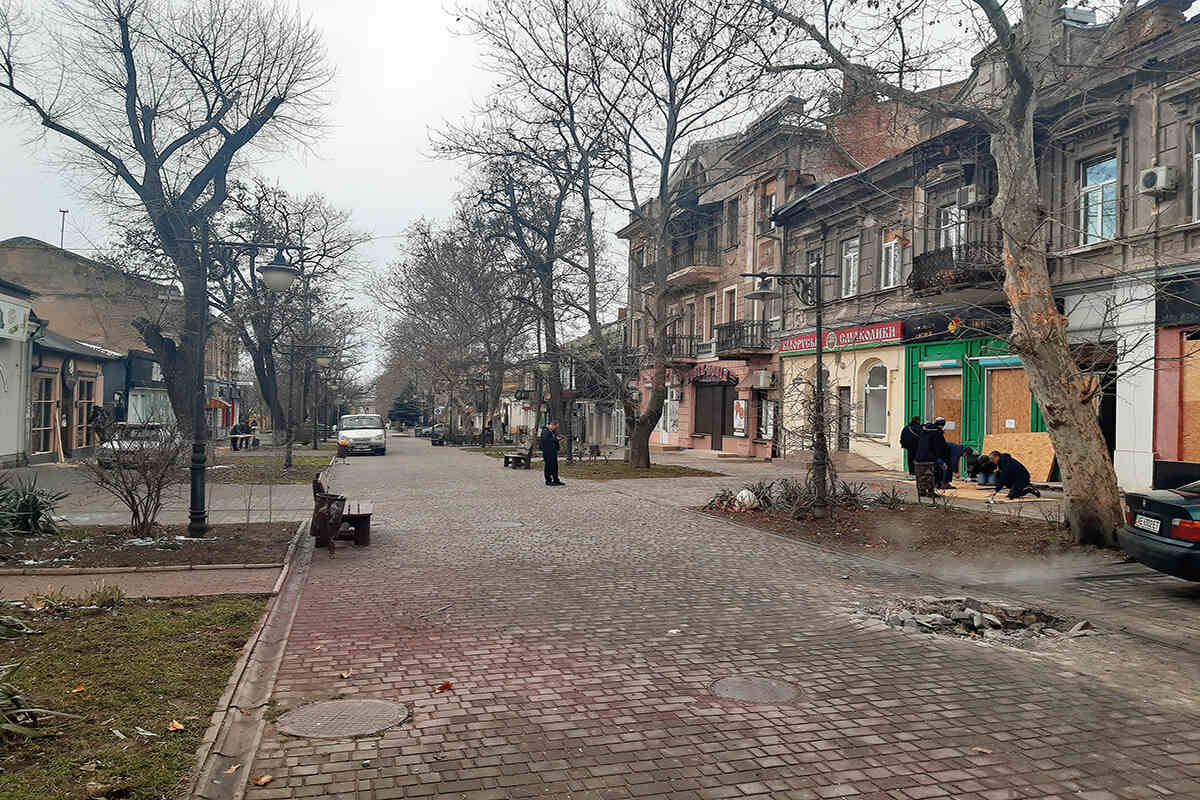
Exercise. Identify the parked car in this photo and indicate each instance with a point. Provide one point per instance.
(363, 433)
(126, 444)
(1162, 530)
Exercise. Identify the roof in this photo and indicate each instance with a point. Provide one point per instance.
(16, 288)
(47, 339)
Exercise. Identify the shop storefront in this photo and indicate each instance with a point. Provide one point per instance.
(66, 384)
(864, 368)
(719, 405)
(1177, 384)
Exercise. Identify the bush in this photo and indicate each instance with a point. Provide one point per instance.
(137, 466)
(721, 501)
(27, 510)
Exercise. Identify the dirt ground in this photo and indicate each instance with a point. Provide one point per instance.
(926, 531)
(113, 546)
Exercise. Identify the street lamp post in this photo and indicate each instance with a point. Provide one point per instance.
(276, 276)
(810, 293)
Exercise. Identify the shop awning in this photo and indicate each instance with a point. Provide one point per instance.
(992, 362)
(945, 363)
(216, 402)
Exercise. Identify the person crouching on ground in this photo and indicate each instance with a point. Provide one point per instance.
(982, 471)
(548, 443)
(1013, 475)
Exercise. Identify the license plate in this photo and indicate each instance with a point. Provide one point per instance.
(1147, 523)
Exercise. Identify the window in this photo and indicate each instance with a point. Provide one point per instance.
(765, 411)
(42, 429)
(1196, 173)
(732, 218)
(637, 332)
(1098, 201)
(850, 267)
(949, 226)
(85, 397)
(710, 317)
(875, 401)
(889, 265)
(730, 305)
(689, 320)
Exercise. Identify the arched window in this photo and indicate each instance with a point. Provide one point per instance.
(875, 401)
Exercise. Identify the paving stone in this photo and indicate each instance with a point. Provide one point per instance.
(565, 682)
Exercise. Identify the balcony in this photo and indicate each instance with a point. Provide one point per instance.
(680, 348)
(743, 336)
(962, 266)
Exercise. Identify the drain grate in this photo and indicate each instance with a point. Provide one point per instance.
(756, 690)
(342, 719)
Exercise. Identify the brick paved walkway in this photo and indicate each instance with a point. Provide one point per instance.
(586, 624)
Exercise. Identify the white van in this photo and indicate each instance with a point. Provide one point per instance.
(363, 433)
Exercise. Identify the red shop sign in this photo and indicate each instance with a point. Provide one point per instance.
(710, 373)
(862, 336)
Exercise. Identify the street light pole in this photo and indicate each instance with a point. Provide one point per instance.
(811, 283)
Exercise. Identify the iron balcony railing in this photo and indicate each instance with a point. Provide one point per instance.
(970, 264)
(695, 257)
(743, 334)
(681, 346)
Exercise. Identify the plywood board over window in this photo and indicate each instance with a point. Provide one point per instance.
(1034, 450)
(945, 392)
(1189, 407)
(1008, 401)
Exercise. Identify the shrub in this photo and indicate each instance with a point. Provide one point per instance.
(27, 510)
(721, 501)
(765, 492)
(136, 466)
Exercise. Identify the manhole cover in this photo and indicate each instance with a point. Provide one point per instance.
(342, 719)
(756, 690)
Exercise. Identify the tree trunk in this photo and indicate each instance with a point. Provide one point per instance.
(553, 356)
(1092, 505)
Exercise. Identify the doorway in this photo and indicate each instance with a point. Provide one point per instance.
(843, 424)
(711, 401)
(944, 398)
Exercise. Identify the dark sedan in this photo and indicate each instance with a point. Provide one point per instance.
(1162, 530)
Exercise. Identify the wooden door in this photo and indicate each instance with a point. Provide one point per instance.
(945, 399)
(710, 416)
(1189, 406)
(843, 423)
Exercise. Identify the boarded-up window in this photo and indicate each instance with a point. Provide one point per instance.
(1189, 410)
(945, 400)
(1008, 407)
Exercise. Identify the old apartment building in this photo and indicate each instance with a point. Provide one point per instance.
(721, 345)
(915, 316)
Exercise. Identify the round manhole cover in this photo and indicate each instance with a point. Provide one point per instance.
(342, 719)
(756, 690)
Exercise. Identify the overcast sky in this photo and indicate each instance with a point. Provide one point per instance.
(400, 72)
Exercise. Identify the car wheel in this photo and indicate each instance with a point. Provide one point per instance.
(382, 451)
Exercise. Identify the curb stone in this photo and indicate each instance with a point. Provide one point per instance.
(127, 570)
(237, 723)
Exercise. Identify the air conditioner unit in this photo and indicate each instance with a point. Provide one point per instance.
(969, 196)
(1158, 180)
(762, 379)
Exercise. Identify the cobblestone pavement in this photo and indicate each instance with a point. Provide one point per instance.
(581, 629)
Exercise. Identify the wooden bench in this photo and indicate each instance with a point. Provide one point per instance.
(517, 460)
(337, 518)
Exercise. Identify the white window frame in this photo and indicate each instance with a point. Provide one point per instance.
(725, 306)
(851, 255)
(1085, 190)
(1196, 172)
(889, 262)
(867, 390)
(710, 317)
(950, 222)
(690, 330)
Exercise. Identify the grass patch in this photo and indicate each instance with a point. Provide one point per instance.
(264, 469)
(142, 665)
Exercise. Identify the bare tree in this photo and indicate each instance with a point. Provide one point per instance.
(673, 74)
(157, 102)
(457, 277)
(1020, 42)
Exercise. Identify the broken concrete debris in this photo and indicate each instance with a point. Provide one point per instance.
(971, 618)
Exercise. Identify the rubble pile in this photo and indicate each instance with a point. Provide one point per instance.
(968, 617)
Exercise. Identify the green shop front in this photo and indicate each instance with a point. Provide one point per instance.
(972, 380)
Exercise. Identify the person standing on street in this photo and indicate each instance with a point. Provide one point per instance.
(910, 435)
(549, 443)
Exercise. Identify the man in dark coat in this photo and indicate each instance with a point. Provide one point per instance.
(548, 443)
(932, 447)
(1013, 475)
(910, 435)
